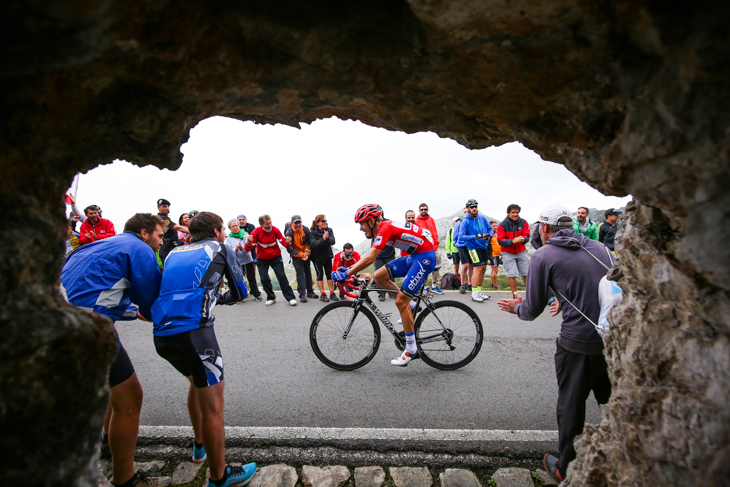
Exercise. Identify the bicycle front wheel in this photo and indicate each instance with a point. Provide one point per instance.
(450, 336)
(342, 340)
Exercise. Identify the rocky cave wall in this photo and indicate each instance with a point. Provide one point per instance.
(630, 96)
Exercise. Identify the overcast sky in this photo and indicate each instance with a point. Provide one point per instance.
(333, 167)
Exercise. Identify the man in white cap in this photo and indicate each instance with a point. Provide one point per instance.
(568, 263)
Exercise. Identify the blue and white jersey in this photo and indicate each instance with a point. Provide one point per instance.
(190, 287)
(108, 275)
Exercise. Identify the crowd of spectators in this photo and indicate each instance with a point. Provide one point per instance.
(472, 244)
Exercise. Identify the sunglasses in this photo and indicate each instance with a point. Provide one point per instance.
(323, 221)
(470, 207)
(423, 209)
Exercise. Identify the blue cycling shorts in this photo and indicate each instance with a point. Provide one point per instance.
(414, 268)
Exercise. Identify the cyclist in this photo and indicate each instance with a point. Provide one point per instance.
(411, 239)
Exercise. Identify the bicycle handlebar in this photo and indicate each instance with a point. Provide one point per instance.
(352, 283)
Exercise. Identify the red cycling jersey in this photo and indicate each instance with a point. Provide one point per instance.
(407, 236)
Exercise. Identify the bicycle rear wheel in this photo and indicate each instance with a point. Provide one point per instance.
(337, 350)
(450, 336)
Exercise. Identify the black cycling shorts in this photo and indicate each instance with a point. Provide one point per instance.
(323, 269)
(121, 369)
(464, 255)
(193, 353)
(495, 261)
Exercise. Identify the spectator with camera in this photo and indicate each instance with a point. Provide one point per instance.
(322, 241)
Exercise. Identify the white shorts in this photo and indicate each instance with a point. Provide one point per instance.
(515, 264)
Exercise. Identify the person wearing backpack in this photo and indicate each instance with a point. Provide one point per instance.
(300, 238)
(573, 266)
(452, 251)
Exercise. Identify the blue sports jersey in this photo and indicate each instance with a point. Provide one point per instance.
(190, 287)
(108, 275)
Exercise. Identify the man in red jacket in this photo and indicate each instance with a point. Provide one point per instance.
(266, 238)
(512, 235)
(423, 219)
(95, 227)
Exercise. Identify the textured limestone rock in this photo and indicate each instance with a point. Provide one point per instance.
(411, 476)
(329, 476)
(512, 477)
(275, 476)
(185, 473)
(457, 477)
(369, 476)
(630, 96)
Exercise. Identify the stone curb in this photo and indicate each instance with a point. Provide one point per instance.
(188, 474)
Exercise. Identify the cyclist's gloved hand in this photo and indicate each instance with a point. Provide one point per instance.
(339, 276)
(448, 256)
(342, 269)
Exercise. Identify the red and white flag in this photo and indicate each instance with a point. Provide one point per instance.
(73, 190)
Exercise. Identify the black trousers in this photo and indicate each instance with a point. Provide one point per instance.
(278, 265)
(578, 374)
(249, 270)
(304, 276)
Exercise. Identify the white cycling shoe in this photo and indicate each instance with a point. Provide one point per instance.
(405, 358)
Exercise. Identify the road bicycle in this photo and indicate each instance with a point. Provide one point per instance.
(345, 335)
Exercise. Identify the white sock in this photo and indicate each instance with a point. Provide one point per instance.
(412, 304)
(411, 343)
(475, 291)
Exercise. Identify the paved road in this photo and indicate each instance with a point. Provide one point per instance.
(274, 380)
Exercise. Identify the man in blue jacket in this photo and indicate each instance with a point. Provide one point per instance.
(184, 336)
(568, 264)
(106, 277)
(475, 233)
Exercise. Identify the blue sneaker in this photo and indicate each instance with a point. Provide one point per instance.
(199, 454)
(236, 476)
(437, 290)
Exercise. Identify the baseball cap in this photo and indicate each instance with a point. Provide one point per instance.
(162, 201)
(552, 214)
(610, 212)
(296, 218)
(241, 216)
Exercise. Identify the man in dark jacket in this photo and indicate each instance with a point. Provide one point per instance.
(567, 263)
(299, 237)
(607, 230)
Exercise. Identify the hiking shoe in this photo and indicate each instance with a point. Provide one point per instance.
(303, 299)
(404, 358)
(342, 297)
(199, 455)
(437, 290)
(293, 302)
(391, 295)
(381, 297)
(462, 289)
(333, 297)
(236, 476)
(323, 297)
(270, 302)
(311, 295)
(140, 479)
(495, 288)
(551, 465)
(258, 299)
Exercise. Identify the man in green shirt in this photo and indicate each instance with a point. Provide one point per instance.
(584, 225)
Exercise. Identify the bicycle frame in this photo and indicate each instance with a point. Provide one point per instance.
(364, 299)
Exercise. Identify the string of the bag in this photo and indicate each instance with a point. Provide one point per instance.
(610, 259)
